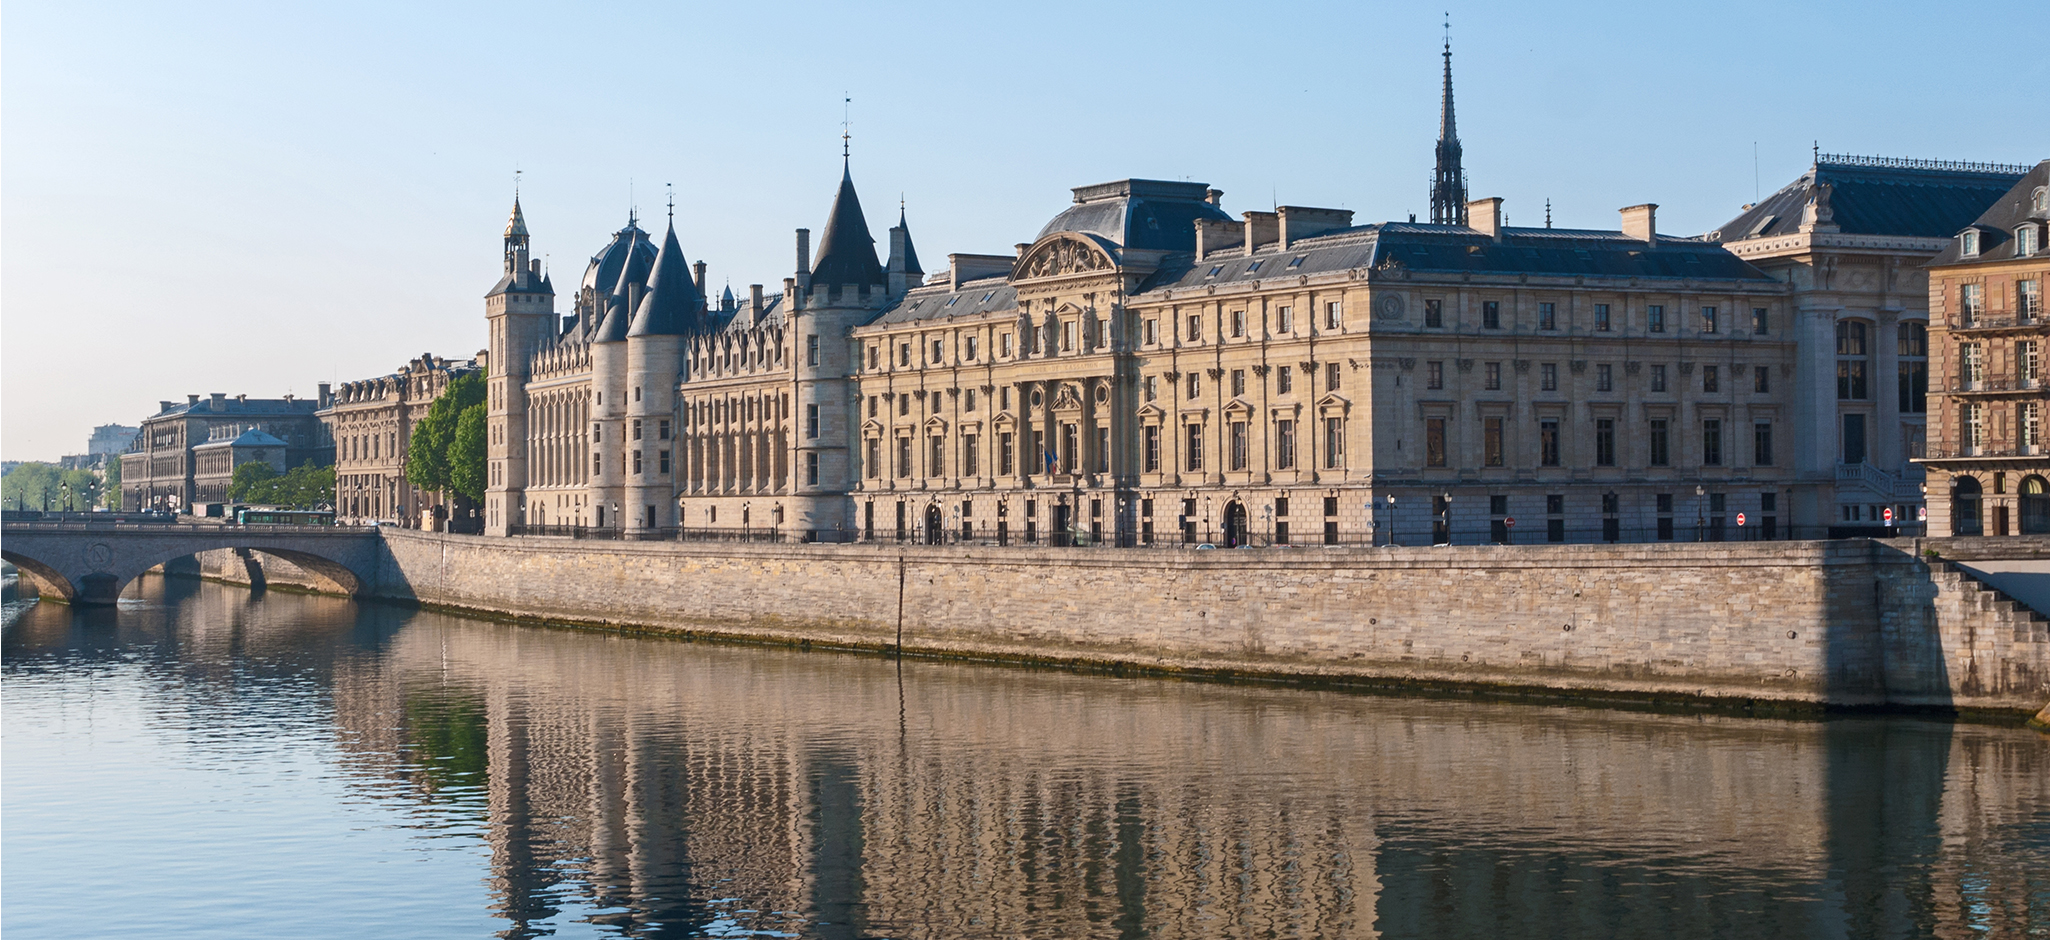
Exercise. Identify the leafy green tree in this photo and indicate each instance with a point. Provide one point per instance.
(428, 455)
(248, 480)
(466, 457)
(29, 485)
(112, 495)
(78, 490)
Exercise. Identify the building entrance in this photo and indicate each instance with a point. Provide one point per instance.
(935, 527)
(1235, 533)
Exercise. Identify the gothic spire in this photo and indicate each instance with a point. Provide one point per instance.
(1448, 182)
(671, 304)
(847, 252)
(910, 258)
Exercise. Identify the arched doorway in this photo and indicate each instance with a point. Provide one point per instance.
(1235, 533)
(2035, 506)
(1964, 506)
(935, 527)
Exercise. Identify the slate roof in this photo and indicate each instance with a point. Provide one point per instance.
(249, 438)
(1147, 215)
(671, 306)
(252, 406)
(1879, 196)
(847, 252)
(973, 299)
(630, 242)
(1997, 224)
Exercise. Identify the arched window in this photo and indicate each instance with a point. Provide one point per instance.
(2035, 506)
(1964, 506)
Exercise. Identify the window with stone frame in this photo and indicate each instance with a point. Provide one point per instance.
(1237, 449)
(1491, 442)
(1601, 318)
(1284, 380)
(1434, 374)
(1492, 375)
(1851, 350)
(1655, 318)
(1658, 378)
(1711, 442)
(1548, 376)
(1334, 443)
(1604, 442)
(1661, 443)
(1284, 444)
(1152, 448)
(1194, 450)
(1604, 377)
(1711, 379)
(1434, 442)
(1548, 442)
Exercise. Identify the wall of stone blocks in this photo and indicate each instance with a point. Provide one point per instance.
(1847, 622)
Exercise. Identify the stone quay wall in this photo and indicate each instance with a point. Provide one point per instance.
(1851, 623)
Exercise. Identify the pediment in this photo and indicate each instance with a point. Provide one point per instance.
(1004, 421)
(936, 425)
(1066, 399)
(1237, 407)
(1151, 411)
(871, 428)
(1063, 254)
(1333, 403)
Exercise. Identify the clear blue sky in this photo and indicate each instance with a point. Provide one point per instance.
(259, 197)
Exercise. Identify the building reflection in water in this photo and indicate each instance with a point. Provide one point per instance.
(663, 788)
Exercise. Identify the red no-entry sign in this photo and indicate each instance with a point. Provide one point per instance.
(1509, 521)
(1740, 518)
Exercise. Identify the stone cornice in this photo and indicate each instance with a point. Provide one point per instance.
(1801, 242)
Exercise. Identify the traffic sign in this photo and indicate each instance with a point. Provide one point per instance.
(1889, 515)
(1740, 519)
(1509, 521)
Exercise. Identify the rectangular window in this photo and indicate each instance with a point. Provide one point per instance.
(1761, 379)
(2028, 298)
(1004, 344)
(1971, 364)
(1284, 319)
(636, 435)
(971, 455)
(1434, 442)
(872, 357)
(1971, 301)
(811, 350)
(968, 400)
(971, 348)
(1493, 373)
(1071, 459)
(1655, 318)
(1548, 376)
(871, 406)
(1601, 318)
(874, 459)
(1854, 439)
(1195, 333)
(2026, 365)
(1604, 442)
(1548, 442)
(1434, 374)
(1150, 331)
(936, 456)
(1284, 380)
(637, 461)
(662, 430)
(904, 354)
(1761, 444)
(1331, 376)
(811, 468)
(1658, 378)
(1284, 445)
(1103, 449)
(1971, 425)
(1238, 323)
(1334, 443)
(1238, 383)
(1195, 447)
(1152, 448)
(1709, 320)
(1195, 386)
(1761, 321)
(1711, 443)
(1068, 336)
(1238, 445)
(1661, 452)
(1914, 387)
(1850, 379)
(1006, 452)
(597, 463)
(903, 458)
(1604, 377)
(1491, 314)
(811, 422)
(1548, 316)
(1491, 442)
(1434, 313)
(1711, 379)
(903, 404)
(2027, 424)
(1334, 316)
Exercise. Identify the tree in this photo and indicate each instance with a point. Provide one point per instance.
(466, 457)
(305, 487)
(248, 479)
(428, 454)
(112, 495)
(31, 485)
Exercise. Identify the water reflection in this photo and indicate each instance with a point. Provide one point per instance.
(637, 787)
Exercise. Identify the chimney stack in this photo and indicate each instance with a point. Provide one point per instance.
(219, 400)
(754, 301)
(1214, 197)
(1641, 223)
(898, 276)
(699, 268)
(804, 258)
(163, 406)
(192, 399)
(1485, 216)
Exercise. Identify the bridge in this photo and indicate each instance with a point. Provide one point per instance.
(89, 563)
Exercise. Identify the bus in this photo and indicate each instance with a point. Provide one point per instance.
(256, 515)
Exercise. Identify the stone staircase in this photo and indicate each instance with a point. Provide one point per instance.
(1976, 595)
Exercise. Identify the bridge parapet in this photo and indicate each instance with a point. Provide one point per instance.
(89, 563)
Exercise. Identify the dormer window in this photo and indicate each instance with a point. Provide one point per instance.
(2025, 241)
(2039, 202)
(1968, 244)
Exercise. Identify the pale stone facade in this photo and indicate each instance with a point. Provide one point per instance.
(160, 471)
(371, 423)
(1988, 472)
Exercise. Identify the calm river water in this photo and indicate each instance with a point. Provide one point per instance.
(204, 762)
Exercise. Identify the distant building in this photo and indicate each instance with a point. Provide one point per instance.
(1989, 395)
(111, 439)
(214, 462)
(371, 424)
(1849, 238)
(160, 471)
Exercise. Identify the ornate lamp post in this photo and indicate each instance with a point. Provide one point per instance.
(1700, 510)
(1392, 530)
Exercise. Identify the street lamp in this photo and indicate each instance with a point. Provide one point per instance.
(1612, 510)
(954, 523)
(1447, 497)
(1391, 522)
(1206, 519)
(1267, 517)
(745, 521)
(1700, 511)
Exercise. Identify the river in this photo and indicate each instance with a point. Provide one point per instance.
(208, 762)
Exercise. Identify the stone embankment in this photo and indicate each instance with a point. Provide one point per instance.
(1800, 624)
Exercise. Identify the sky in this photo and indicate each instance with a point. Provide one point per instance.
(256, 198)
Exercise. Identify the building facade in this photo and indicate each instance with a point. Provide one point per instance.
(1849, 238)
(1988, 473)
(371, 424)
(214, 464)
(160, 469)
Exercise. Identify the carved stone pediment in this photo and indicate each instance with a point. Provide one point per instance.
(1064, 255)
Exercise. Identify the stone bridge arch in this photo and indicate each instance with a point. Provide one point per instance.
(91, 564)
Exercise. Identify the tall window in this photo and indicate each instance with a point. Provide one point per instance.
(1661, 444)
(874, 460)
(1548, 442)
(1850, 362)
(1655, 318)
(1284, 319)
(1971, 363)
(1152, 441)
(971, 455)
(1284, 380)
(1434, 442)
(1195, 447)
(2024, 241)
(1434, 313)
(1971, 429)
(1604, 378)
(1761, 379)
(811, 421)
(1761, 321)
(1658, 378)
(1971, 301)
(1711, 443)
(1604, 442)
(1334, 443)
(969, 347)
(2028, 424)
(2027, 364)
(1761, 444)
(1238, 445)
(1331, 376)
(1711, 379)
(1238, 383)
(811, 350)
(1710, 321)
(1195, 327)
(1548, 316)
(2028, 298)
(1071, 459)
(1493, 371)
(1195, 386)
(1238, 323)
(1491, 314)
(1491, 442)
(1102, 449)
(1007, 449)
(1601, 318)
(1434, 374)
(1150, 331)
(1284, 445)
(1548, 376)
(1334, 315)
(903, 457)
(811, 468)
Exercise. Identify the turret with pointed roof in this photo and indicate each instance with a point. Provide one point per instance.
(1448, 182)
(847, 252)
(627, 288)
(671, 305)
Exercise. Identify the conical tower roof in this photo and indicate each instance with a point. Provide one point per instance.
(671, 305)
(633, 273)
(517, 225)
(847, 252)
(910, 250)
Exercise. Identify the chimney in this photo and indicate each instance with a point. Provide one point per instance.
(1300, 222)
(897, 273)
(163, 406)
(754, 301)
(191, 400)
(242, 399)
(1214, 197)
(1261, 228)
(700, 269)
(1485, 216)
(1641, 223)
(804, 259)
(1217, 235)
(218, 400)
(326, 395)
